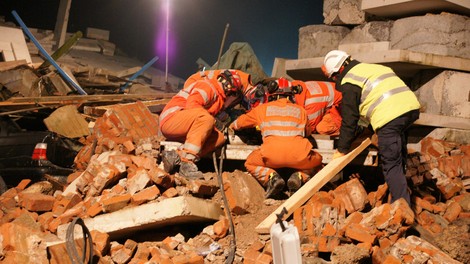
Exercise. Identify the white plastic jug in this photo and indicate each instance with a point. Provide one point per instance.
(285, 243)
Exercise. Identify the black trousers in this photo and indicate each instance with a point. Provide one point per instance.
(392, 139)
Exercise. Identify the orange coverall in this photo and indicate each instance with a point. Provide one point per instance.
(212, 74)
(189, 118)
(282, 125)
(321, 101)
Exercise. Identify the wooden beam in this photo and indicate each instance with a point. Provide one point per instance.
(311, 187)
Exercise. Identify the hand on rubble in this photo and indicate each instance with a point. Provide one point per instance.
(337, 154)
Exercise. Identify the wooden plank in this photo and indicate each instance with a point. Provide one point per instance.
(8, 65)
(79, 99)
(311, 187)
(443, 121)
(68, 122)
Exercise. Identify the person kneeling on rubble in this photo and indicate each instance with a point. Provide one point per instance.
(282, 124)
(190, 118)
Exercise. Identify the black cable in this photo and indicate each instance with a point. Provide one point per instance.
(218, 171)
(70, 242)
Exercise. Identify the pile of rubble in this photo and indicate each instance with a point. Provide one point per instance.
(120, 190)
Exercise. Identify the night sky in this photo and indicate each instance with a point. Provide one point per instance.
(196, 27)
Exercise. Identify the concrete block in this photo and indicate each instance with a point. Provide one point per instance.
(375, 31)
(404, 8)
(343, 12)
(96, 33)
(318, 40)
(444, 94)
(444, 34)
(13, 45)
(171, 211)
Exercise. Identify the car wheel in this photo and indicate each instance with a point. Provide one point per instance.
(3, 186)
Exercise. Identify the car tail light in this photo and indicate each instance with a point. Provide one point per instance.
(39, 152)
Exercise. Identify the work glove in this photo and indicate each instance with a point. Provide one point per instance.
(337, 154)
(222, 120)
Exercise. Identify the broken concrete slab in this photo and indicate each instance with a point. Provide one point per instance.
(405, 63)
(13, 45)
(375, 31)
(171, 211)
(445, 34)
(317, 40)
(343, 12)
(403, 8)
(444, 94)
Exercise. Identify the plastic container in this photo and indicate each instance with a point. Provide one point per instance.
(285, 244)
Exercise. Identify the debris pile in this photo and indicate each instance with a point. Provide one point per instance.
(120, 190)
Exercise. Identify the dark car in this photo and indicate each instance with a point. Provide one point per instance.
(32, 154)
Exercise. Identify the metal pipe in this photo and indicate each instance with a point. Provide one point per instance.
(222, 45)
(139, 72)
(46, 55)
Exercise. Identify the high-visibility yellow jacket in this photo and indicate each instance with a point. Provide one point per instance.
(384, 95)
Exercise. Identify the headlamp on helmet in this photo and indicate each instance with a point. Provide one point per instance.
(231, 82)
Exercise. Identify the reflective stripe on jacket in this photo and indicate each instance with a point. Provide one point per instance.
(317, 98)
(384, 95)
(278, 118)
(207, 94)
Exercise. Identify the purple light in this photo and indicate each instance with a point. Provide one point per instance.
(163, 44)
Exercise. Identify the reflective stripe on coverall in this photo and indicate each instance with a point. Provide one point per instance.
(282, 125)
(321, 101)
(189, 118)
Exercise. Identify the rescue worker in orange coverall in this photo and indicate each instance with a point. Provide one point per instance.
(282, 124)
(213, 74)
(189, 118)
(321, 101)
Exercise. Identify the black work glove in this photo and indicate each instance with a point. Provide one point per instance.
(222, 120)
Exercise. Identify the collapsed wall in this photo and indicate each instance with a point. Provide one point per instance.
(440, 37)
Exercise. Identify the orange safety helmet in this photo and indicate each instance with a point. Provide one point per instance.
(254, 96)
(231, 81)
(282, 88)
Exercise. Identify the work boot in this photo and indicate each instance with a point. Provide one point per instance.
(190, 171)
(275, 185)
(294, 182)
(170, 159)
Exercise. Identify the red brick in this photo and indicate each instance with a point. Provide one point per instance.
(95, 209)
(23, 183)
(170, 192)
(100, 241)
(391, 260)
(257, 245)
(329, 230)
(453, 211)
(439, 208)
(45, 219)
(221, 228)
(424, 204)
(65, 203)
(360, 233)
(116, 203)
(352, 194)
(264, 259)
(161, 178)
(170, 243)
(145, 195)
(36, 202)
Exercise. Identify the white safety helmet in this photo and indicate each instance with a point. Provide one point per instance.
(333, 62)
